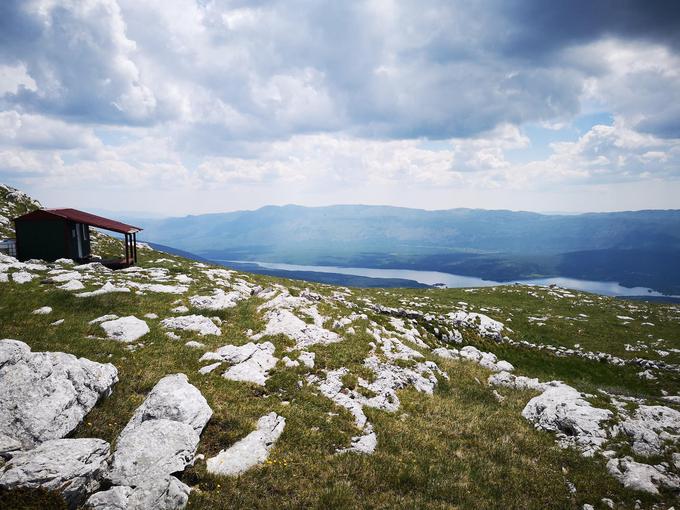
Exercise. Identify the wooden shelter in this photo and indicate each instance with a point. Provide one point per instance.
(50, 234)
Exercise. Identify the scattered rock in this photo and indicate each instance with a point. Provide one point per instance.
(160, 439)
(153, 449)
(173, 398)
(193, 344)
(365, 443)
(486, 326)
(22, 277)
(651, 428)
(642, 477)
(485, 359)
(307, 358)
(165, 493)
(251, 450)
(219, 300)
(209, 368)
(8, 445)
(126, 329)
(197, 323)
(71, 466)
(250, 362)
(43, 310)
(107, 288)
(72, 285)
(103, 318)
(563, 410)
(45, 395)
(518, 381)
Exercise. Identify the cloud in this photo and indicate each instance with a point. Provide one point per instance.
(201, 94)
(37, 132)
(80, 59)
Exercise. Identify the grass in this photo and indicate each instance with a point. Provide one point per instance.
(459, 448)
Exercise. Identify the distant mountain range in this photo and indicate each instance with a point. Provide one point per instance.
(640, 248)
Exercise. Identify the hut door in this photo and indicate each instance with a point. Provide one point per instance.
(79, 240)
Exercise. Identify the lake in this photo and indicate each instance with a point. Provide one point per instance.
(457, 281)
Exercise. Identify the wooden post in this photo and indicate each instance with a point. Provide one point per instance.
(127, 256)
(134, 246)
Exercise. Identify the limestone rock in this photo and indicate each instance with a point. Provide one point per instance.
(22, 277)
(153, 449)
(166, 493)
(126, 329)
(173, 398)
(651, 427)
(249, 363)
(160, 439)
(219, 300)
(197, 323)
(251, 450)
(518, 381)
(70, 466)
(72, 285)
(485, 359)
(107, 288)
(45, 395)
(281, 321)
(8, 445)
(563, 410)
(642, 477)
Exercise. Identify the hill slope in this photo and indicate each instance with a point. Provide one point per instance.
(381, 398)
(638, 248)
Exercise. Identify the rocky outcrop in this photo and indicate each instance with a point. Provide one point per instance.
(563, 410)
(642, 477)
(196, 323)
(485, 359)
(281, 321)
(249, 363)
(72, 467)
(173, 398)
(520, 382)
(652, 428)
(160, 439)
(152, 450)
(251, 450)
(45, 395)
(219, 300)
(162, 494)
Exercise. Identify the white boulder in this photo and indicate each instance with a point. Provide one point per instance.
(281, 321)
(152, 449)
(563, 410)
(196, 323)
(249, 363)
(642, 477)
(45, 395)
(71, 466)
(219, 300)
(251, 450)
(126, 329)
(166, 493)
(651, 428)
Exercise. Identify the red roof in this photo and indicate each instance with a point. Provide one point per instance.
(83, 217)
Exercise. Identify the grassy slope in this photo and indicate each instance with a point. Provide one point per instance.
(458, 448)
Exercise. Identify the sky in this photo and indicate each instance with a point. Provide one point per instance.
(175, 107)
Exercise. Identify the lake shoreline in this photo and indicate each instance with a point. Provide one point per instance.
(408, 278)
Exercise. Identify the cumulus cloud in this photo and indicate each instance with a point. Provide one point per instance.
(211, 94)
